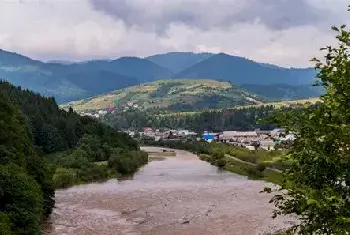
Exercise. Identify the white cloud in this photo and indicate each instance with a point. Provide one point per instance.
(79, 30)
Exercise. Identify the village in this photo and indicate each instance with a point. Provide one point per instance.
(262, 139)
(252, 140)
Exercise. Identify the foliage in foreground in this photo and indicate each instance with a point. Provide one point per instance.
(317, 183)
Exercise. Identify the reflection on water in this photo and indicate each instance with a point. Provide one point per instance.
(180, 195)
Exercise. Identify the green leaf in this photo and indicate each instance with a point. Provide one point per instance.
(335, 28)
(343, 220)
(311, 202)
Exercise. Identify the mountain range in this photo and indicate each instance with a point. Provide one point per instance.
(68, 81)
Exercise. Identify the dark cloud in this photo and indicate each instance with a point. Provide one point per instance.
(207, 14)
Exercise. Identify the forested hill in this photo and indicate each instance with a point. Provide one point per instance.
(216, 120)
(43, 147)
(55, 129)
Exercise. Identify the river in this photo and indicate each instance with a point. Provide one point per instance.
(179, 195)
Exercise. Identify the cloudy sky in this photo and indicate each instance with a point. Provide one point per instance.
(284, 32)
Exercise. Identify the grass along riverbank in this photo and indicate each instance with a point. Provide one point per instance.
(251, 170)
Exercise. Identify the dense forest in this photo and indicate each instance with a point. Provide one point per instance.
(43, 147)
(230, 119)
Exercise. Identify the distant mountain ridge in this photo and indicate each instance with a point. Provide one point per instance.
(178, 61)
(68, 81)
(73, 81)
(243, 71)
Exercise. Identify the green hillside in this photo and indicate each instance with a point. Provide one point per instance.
(176, 95)
(43, 147)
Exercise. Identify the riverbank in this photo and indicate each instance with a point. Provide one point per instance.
(256, 165)
(180, 195)
(251, 170)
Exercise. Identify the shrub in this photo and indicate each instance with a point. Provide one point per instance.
(254, 173)
(260, 167)
(5, 224)
(64, 177)
(217, 155)
(21, 200)
(121, 164)
(221, 162)
(93, 173)
(127, 162)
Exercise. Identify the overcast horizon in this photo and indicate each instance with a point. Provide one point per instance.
(282, 32)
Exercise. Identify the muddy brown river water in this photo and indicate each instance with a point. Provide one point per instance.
(179, 195)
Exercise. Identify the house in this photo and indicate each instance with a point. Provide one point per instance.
(131, 133)
(276, 133)
(289, 137)
(263, 132)
(267, 144)
(251, 148)
(185, 133)
(209, 137)
(238, 136)
(147, 129)
(102, 112)
(110, 107)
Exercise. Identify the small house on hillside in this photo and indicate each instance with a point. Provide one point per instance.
(147, 129)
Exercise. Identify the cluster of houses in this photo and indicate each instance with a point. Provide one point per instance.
(111, 108)
(250, 139)
(167, 134)
(96, 114)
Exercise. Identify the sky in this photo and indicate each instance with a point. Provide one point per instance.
(282, 32)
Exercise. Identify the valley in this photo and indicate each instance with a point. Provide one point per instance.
(163, 117)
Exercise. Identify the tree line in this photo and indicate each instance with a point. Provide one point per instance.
(43, 147)
(228, 119)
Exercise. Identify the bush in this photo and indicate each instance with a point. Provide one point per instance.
(64, 177)
(221, 162)
(94, 173)
(217, 155)
(260, 167)
(21, 201)
(254, 173)
(127, 162)
(5, 224)
(121, 164)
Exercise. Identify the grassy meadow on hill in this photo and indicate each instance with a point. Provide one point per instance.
(175, 94)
